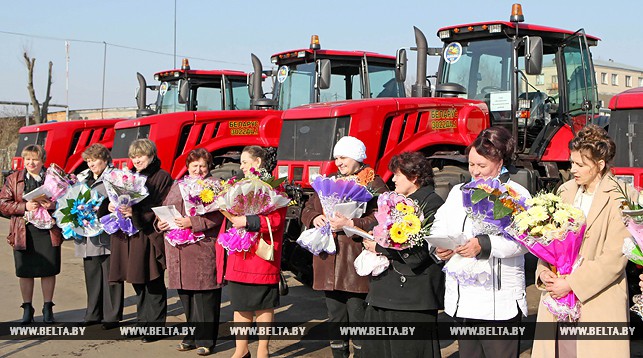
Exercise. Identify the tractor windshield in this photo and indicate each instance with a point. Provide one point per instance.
(311, 140)
(205, 94)
(168, 101)
(296, 83)
(624, 124)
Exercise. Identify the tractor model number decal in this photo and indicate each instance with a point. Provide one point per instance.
(443, 118)
(244, 127)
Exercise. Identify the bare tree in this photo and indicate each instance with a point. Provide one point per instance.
(39, 112)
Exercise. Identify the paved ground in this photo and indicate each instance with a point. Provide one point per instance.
(302, 304)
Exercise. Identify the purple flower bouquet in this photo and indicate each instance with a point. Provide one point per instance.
(333, 191)
(124, 188)
(490, 205)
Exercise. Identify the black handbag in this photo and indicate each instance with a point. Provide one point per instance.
(283, 284)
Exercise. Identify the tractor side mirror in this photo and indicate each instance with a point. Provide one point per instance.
(533, 55)
(323, 68)
(184, 91)
(400, 65)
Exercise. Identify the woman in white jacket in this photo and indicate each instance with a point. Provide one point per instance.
(485, 279)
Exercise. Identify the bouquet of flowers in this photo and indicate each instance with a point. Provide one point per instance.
(199, 194)
(56, 184)
(400, 222)
(400, 225)
(490, 205)
(77, 212)
(124, 188)
(553, 231)
(249, 196)
(632, 246)
(334, 193)
(199, 198)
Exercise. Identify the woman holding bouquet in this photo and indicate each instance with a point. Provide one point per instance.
(140, 259)
(412, 288)
(599, 281)
(253, 281)
(498, 294)
(36, 252)
(193, 267)
(104, 300)
(335, 274)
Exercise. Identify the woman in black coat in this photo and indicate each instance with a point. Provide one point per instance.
(140, 259)
(412, 288)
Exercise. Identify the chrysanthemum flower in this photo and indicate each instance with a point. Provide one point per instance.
(207, 195)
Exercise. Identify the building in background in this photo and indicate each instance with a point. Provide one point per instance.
(117, 112)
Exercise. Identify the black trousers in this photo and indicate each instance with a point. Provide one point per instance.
(202, 309)
(104, 299)
(509, 348)
(385, 347)
(151, 306)
(345, 307)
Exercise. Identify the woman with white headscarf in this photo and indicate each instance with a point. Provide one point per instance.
(335, 274)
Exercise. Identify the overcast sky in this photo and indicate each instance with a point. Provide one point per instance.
(222, 34)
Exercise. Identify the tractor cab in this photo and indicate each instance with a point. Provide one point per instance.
(534, 80)
(626, 120)
(184, 89)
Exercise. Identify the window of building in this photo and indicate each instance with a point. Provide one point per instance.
(614, 80)
(540, 79)
(640, 81)
(604, 78)
(628, 81)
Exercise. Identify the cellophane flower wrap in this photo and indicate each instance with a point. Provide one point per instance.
(632, 211)
(124, 188)
(77, 212)
(332, 191)
(199, 196)
(489, 205)
(400, 225)
(257, 194)
(56, 184)
(553, 231)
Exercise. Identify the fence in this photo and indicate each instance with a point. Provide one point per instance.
(5, 159)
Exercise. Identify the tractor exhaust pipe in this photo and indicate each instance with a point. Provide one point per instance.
(141, 97)
(256, 91)
(420, 88)
(142, 91)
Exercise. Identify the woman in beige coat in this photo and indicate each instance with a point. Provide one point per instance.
(599, 282)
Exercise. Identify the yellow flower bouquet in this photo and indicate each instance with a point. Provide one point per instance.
(401, 223)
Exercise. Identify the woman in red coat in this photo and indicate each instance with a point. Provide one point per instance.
(253, 281)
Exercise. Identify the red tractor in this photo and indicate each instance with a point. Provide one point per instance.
(66, 141)
(537, 81)
(625, 122)
(303, 76)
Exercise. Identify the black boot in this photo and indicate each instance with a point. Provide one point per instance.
(27, 313)
(339, 350)
(48, 312)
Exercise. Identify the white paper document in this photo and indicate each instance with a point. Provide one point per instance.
(38, 194)
(348, 230)
(167, 214)
(449, 242)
